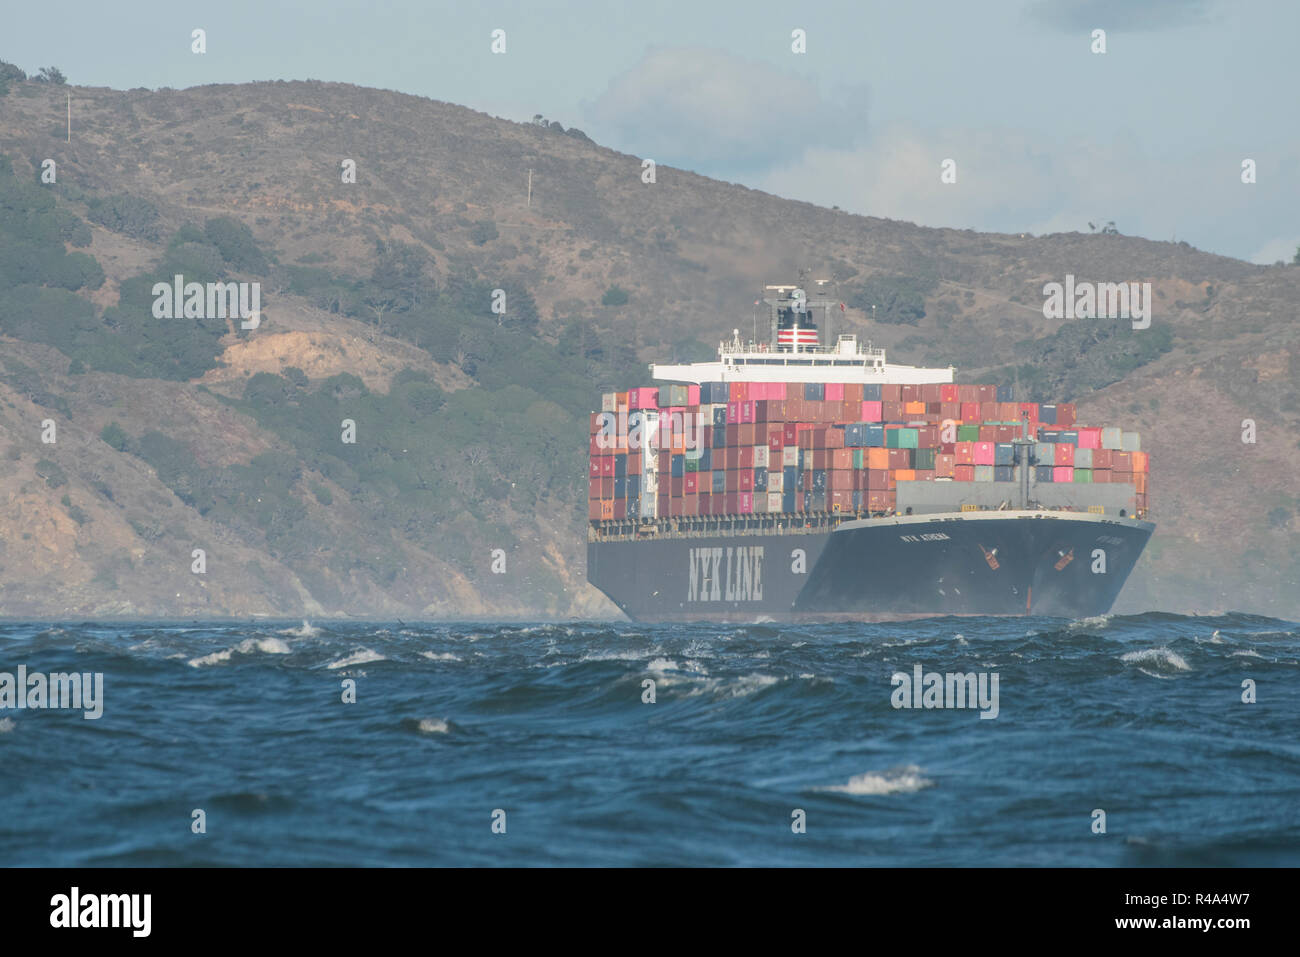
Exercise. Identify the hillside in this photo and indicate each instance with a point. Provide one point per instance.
(174, 435)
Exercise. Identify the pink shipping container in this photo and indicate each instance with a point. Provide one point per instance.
(872, 411)
(733, 411)
(983, 453)
(643, 398)
(1090, 438)
(692, 395)
(834, 391)
(1064, 456)
(1063, 473)
(747, 412)
(747, 502)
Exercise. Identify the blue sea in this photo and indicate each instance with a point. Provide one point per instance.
(771, 745)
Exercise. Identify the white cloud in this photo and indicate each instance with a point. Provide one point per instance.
(702, 109)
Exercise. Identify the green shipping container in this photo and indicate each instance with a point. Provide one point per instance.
(692, 463)
(1083, 475)
(923, 459)
(901, 438)
(859, 462)
(968, 433)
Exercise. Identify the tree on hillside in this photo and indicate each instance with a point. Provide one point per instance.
(51, 74)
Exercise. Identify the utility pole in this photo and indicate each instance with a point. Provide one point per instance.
(530, 189)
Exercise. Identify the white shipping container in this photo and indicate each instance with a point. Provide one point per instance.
(1131, 442)
(1112, 437)
(1083, 458)
(609, 402)
(776, 481)
(774, 501)
(984, 473)
(760, 456)
(790, 455)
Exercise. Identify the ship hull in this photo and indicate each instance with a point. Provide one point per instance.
(980, 563)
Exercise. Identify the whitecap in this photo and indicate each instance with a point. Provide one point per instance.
(362, 657)
(432, 726)
(6, 725)
(268, 646)
(1159, 657)
(305, 631)
(902, 780)
(439, 656)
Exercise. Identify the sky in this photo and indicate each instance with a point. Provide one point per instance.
(1045, 134)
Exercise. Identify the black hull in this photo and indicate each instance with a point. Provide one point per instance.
(1064, 564)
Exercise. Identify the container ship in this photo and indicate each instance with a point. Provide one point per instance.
(804, 478)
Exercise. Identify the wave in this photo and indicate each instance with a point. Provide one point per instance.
(305, 631)
(6, 725)
(902, 780)
(440, 656)
(268, 646)
(1157, 657)
(362, 657)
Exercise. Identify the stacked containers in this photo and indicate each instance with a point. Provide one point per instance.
(729, 449)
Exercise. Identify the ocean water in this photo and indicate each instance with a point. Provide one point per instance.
(543, 728)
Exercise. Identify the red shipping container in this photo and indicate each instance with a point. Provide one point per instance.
(731, 503)
(620, 509)
(746, 480)
(1064, 455)
(988, 433)
(930, 392)
(1100, 476)
(746, 458)
(607, 465)
(691, 485)
(943, 465)
(950, 410)
(1065, 415)
(594, 509)
(607, 487)
(834, 438)
(987, 393)
(705, 503)
(968, 393)
(733, 412)
(880, 501)
(963, 473)
(900, 458)
(676, 508)
(790, 434)
(853, 392)
(1063, 473)
(892, 411)
(927, 437)
(775, 440)
(675, 486)
(593, 488)
(970, 412)
(1031, 408)
(934, 409)
(1101, 458)
(821, 458)
(738, 392)
(948, 392)
(593, 468)
(891, 393)
(1121, 461)
(842, 459)
(988, 411)
(733, 480)
(965, 455)
(910, 393)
